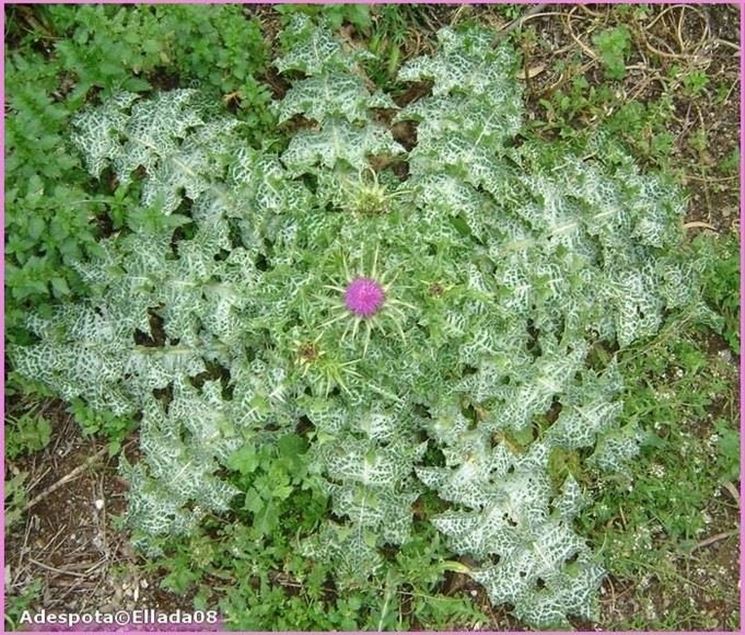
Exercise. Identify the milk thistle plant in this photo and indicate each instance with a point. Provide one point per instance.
(436, 327)
(367, 301)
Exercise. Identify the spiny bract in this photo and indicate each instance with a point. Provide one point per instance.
(497, 267)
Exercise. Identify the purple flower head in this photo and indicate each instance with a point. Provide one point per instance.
(364, 297)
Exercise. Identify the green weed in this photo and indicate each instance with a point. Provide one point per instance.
(613, 47)
(15, 498)
(648, 523)
(29, 432)
(17, 603)
(722, 283)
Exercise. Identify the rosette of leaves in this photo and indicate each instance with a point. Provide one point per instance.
(429, 314)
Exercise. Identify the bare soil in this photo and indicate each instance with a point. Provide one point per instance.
(69, 538)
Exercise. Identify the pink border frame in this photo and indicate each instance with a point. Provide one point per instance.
(741, 3)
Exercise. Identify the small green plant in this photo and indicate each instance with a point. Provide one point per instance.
(17, 603)
(29, 432)
(728, 446)
(613, 46)
(695, 82)
(97, 422)
(510, 11)
(722, 283)
(15, 498)
(731, 163)
(361, 366)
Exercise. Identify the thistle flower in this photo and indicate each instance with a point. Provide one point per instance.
(364, 297)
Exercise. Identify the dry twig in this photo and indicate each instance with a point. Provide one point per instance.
(66, 478)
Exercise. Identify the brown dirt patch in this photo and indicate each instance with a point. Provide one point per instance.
(69, 539)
